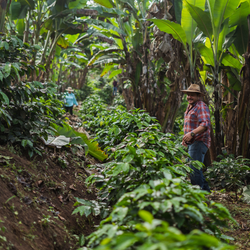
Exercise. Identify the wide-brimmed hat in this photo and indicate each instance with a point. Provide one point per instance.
(193, 88)
(70, 89)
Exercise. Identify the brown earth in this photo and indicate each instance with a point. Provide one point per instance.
(240, 211)
(37, 200)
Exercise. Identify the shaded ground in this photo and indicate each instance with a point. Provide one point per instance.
(37, 199)
(240, 211)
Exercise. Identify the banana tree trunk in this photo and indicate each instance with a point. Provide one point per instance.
(244, 104)
(3, 10)
(83, 77)
(217, 117)
(230, 121)
(171, 107)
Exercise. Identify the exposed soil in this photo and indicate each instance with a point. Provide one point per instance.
(240, 211)
(37, 198)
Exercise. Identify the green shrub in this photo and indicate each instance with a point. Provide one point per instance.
(229, 173)
(26, 109)
(153, 234)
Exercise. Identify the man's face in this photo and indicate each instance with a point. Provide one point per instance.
(192, 98)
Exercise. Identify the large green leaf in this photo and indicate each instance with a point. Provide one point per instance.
(235, 84)
(105, 3)
(92, 146)
(178, 10)
(206, 54)
(104, 25)
(4, 98)
(223, 9)
(239, 18)
(187, 22)
(222, 36)
(202, 19)
(101, 53)
(115, 73)
(19, 8)
(172, 28)
(20, 26)
(228, 60)
(107, 68)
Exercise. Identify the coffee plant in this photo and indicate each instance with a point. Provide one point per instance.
(146, 173)
(26, 108)
(229, 173)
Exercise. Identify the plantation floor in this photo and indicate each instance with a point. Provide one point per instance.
(37, 199)
(240, 211)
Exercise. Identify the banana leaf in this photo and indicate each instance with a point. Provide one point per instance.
(91, 147)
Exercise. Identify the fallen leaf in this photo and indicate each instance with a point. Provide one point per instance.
(39, 183)
(61, 218)
(72, 187)
(60, 198)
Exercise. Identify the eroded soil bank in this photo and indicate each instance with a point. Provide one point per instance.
(37, 198)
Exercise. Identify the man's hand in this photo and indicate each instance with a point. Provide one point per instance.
(186, 138)
(184, 143)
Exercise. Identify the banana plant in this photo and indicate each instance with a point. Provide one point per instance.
(184, 32)
(214, 23)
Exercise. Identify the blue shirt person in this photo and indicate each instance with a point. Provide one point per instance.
(115, 84)
(70, 100)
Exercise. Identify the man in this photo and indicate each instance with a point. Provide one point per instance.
(197, 132)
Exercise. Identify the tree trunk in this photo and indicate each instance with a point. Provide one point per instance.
(83, 77)
(3, 7)
(217, 117)
(244, 101)
(230, 118)
(171, 107)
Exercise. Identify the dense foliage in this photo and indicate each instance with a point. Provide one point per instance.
(145, 172)
(26, 108)
(229, 173)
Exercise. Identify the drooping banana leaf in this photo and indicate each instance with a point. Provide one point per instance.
(172, 28)
(239, 18)
(91, 147)
(105, 3)
(115, 73)
(57, 142)
(107, 69)
(228, 60)
(102, 53)
(104, 25)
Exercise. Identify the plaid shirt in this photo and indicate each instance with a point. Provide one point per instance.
(195, 116)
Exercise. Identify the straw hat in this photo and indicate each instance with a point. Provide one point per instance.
(70, 89)
(193, 88)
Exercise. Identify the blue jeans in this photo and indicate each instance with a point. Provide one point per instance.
(114, 90)
(197, 151)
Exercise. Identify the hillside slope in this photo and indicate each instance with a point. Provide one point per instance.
(37, 199)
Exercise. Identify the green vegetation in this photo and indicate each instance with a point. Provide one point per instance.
(153, 50)
(145, 172)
